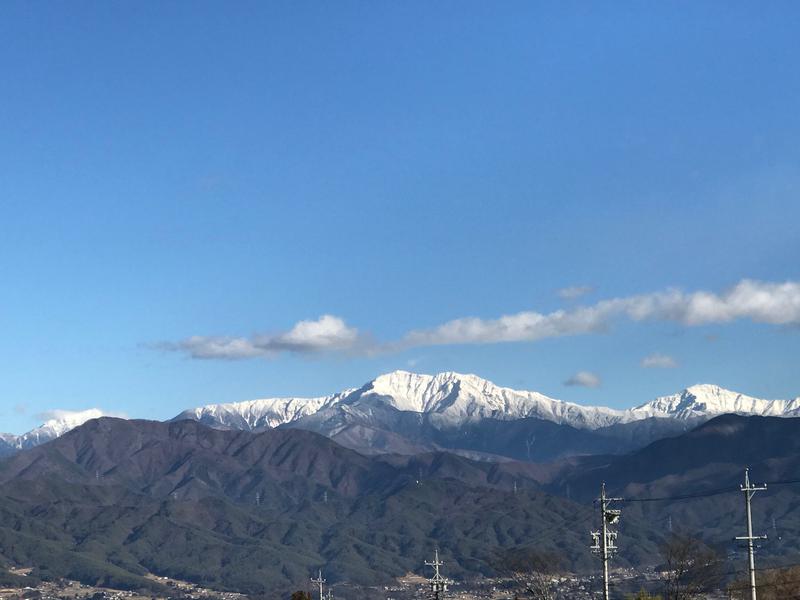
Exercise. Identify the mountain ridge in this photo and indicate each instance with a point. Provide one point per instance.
(455, 399)
(445, 401)
(235, 509)
(258, 512)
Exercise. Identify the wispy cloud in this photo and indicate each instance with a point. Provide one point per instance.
(757, 301)
(326, 334)
(659, 361)
(574, 292)
(584, 379)
(762, 302)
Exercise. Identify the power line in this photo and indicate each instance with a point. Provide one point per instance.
(708, 494)
(716, 492)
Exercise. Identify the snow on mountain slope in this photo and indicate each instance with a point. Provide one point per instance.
(455, 399)
(452, 399)
(60, 423)
(253, 415)
(448, 400)
(709, 400)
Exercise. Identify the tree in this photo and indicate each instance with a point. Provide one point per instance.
(691, 568)
(300, 595)
(533, 572)
(772, 584)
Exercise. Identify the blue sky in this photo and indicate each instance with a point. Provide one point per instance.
(215, 171)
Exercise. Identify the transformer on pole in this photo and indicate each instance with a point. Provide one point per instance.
(319, 581)
(604, 539)
(437, 582)
(749, 491)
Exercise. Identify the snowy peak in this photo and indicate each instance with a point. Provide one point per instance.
(59, 423)
(255, 415)
(446, 400)
(449, 400)
(454, 399)
(705, 400)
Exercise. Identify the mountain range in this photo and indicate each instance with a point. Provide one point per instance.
(454, 399)
(253, 496)
(114, 500)
(257, 512)
(408, 413)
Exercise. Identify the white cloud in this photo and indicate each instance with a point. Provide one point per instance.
(199, 346)
(584, 379)
(762, 302)
(659, 361)
(328, 333)
(757, 301)
(574, 292)
(523, 326)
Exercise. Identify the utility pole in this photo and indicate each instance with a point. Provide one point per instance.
(437, 582)
(749, 491)
(319, 581)
(605, 538)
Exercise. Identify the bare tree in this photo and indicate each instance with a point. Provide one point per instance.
(691, 568)
(773, 584)
(532, 571)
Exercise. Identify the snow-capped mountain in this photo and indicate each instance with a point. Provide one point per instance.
(706, 401)
(449, 399)
(254, 415)
(403, 411)
(453, 400)
(58, 425)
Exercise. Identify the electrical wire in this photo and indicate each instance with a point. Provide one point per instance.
(717, 492)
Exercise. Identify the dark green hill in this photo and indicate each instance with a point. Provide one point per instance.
(259, 512)
(115, 499)
(698, 474)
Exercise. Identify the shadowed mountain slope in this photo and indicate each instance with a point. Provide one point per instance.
(259, 512)
(691, 482)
